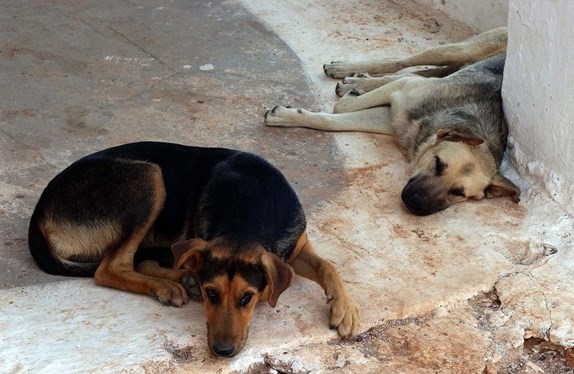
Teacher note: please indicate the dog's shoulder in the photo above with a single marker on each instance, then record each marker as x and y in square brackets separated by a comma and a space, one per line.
[248, 199]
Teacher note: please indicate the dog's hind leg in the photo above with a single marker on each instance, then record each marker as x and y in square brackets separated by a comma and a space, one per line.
[367, 83]
[477, 48]
[474, 49]
[375, 120]
[116, 269]
[345, 315]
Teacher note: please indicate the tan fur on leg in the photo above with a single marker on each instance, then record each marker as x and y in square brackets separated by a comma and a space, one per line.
[116, 269]
[375, 120]
[378, 97]
[345, 315]
[366, 83]
[477, 48]
[152, 269]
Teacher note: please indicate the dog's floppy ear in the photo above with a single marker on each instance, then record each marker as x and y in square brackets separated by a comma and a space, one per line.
[500, 186]
[278, 275]
[458, 136]
[189, 254]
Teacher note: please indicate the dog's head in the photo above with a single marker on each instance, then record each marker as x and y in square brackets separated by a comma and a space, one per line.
[452, 167]
[232, 283]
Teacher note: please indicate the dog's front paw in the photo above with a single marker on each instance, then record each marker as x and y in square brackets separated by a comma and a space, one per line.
[281, 116]
[338, 69]
[344, 88]
[170, 293]
[345, 316]
[348, 103]
[191, 286]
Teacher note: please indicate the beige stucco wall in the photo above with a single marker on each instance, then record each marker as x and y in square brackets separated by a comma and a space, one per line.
[538, 94]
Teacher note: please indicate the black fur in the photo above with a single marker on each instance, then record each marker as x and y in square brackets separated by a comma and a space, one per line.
[209, 192]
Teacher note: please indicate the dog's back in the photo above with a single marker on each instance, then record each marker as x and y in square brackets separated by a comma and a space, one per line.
[100, 200]
[467, 101]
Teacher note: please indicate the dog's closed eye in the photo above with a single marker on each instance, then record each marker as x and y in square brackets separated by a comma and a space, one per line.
[439, 166]
[456, 192]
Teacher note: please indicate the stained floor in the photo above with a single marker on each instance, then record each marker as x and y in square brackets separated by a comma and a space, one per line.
[484, 286]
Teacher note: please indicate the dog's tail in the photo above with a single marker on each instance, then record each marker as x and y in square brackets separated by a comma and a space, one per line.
[48, 261]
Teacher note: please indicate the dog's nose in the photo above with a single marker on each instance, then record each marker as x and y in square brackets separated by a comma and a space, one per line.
[222, 349]
[412, 200]
[415, 203]
[421, 205]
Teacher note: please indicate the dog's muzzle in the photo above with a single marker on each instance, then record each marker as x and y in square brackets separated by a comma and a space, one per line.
[418, 198]
[223, 350]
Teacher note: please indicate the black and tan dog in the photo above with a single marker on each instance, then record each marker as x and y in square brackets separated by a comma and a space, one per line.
[237, 225]
[449, 122]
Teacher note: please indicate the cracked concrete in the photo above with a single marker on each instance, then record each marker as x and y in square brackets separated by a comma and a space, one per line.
[481, 287]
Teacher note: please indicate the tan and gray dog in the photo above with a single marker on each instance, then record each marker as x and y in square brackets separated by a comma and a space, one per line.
[443, 105]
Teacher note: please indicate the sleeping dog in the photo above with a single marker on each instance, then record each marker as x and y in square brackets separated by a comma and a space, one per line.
[237, 225]
[448, 117]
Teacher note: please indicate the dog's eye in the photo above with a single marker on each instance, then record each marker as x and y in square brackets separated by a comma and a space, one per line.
[246, 299]
[212, 295]
[439, 166]
[456, 192]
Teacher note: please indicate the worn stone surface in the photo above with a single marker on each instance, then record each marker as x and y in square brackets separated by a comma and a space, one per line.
[481, 287]
[87, 75]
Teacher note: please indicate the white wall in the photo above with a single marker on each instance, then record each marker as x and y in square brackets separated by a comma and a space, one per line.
[538, 94]
[480, 14]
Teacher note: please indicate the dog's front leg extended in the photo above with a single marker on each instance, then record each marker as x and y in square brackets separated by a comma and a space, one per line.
[367, 83]
[354, 101]
[375, 120]
[345, 315]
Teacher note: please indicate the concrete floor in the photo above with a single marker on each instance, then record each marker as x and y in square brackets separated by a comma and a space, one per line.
[482, 286]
